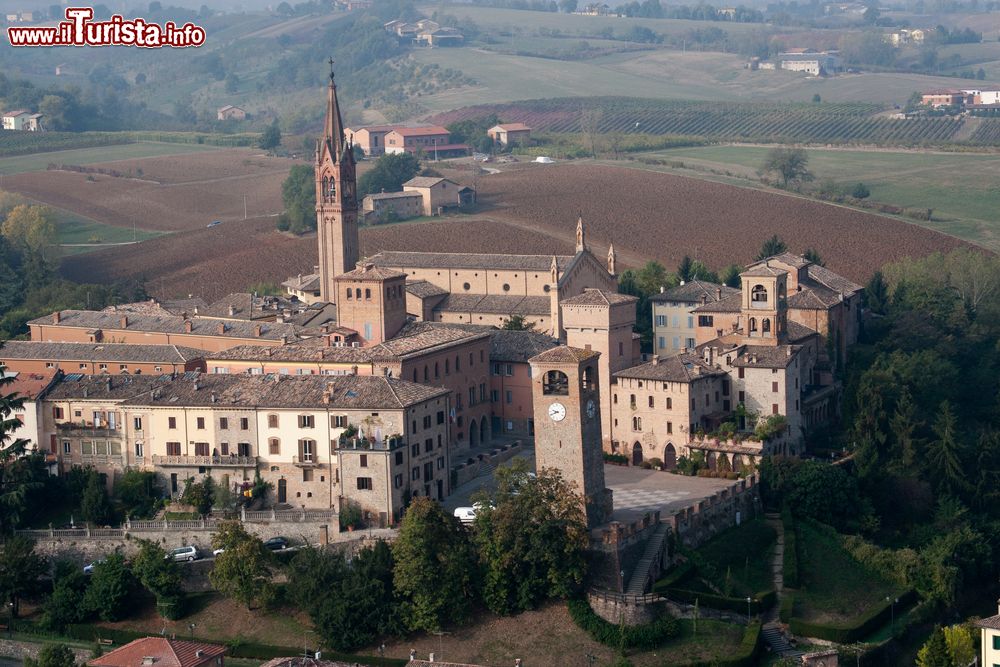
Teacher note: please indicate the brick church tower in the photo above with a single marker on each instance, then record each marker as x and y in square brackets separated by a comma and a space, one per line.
[336, 199]
[567, 400]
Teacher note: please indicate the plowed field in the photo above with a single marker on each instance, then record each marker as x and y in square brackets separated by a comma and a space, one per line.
[533, 210]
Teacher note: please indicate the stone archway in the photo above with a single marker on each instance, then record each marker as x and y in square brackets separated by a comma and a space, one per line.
[473, 434]
[669, 456]
[636, 454]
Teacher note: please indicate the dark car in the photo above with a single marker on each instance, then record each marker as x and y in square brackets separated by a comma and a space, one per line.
[276, 544]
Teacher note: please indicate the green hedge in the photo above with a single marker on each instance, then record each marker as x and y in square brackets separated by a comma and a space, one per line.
[745, 657]
[27, 143]
[854, 630]
[762, 601]
[648, 636]
[790, 566]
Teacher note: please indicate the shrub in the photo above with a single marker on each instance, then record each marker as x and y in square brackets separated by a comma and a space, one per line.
[853, 630]
[618, 459]
[760, 602]
[648, 636]
[860, 191]
[787, 607]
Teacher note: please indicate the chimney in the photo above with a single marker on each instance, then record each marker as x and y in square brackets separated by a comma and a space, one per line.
[588, 346]
[682, 282]
[285, 340]
[998, 606]
[329, 341]
[267, 352]
[718, 294]
[257, 331]
[232, 310]
[656, 359]
[56, 316]
[199, 653]
[222, 328]
[188, 327]
[86, 392]
[788, 351]
[196, 311]
[704, 299]
[197, 386]
[215, 399]
[124, 322]
[108, 384]
[148, 660]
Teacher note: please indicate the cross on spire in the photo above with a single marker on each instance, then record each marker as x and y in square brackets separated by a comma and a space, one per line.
[331, 68]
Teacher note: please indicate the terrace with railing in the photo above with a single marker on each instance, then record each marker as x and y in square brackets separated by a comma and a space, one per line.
[208, 461]
[387, 443]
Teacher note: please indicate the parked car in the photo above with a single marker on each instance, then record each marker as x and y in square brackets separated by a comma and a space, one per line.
[276, 544]
[468, 514]
[218, 551]
[89, 568]
[214, 223]
[188, 553]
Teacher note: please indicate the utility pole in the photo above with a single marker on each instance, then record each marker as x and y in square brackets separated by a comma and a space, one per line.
[244, 207]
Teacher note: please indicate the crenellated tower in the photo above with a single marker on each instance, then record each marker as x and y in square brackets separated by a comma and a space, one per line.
[336, 199]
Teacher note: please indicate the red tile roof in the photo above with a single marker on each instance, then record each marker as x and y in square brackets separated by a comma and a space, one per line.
[164, 653]
[420, 131]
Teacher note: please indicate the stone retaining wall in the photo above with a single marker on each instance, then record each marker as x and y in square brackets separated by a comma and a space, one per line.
[466, 472]
[18, 650]
[624, 609]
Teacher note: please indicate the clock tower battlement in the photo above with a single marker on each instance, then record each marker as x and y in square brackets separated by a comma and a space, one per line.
[567, 403]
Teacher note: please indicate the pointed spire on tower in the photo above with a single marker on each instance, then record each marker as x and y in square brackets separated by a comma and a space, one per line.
[554, 270]
[333, 128]
[581, 243]
[611, 259]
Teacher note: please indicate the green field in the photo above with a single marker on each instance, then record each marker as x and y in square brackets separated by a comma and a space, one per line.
[960, 187]
[833, 586]
[80, 156]
[74, 229]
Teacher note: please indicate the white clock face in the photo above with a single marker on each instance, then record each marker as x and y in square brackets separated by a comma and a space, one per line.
[557, 412]
[591, 409]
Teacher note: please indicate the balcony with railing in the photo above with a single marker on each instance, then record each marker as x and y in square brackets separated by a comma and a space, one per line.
[306, 461]
[362, 443]
[87, 430]
[232, 461]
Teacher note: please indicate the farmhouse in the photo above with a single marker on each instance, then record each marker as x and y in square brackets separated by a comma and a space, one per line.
[371, 139]
[439, 37]
[22, 120]
[981, 98]
[817, 63]
[510, 134]
[436, 194]
[431, 141]
[945, 97]
[386, 206]
[229, 112]
[305, 288]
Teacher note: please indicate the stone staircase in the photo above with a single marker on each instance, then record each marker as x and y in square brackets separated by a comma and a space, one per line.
[778, 643]
[637, 583]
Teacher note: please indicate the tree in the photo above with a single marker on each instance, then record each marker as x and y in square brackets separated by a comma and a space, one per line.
[730, 276]
[517, 323]
[243, 570]
[95, 507]
[590, 122]
[772, 246]
[298, 194]
[271, 137]
[434, 571]
[651, 277]
[53, 655]
[65, 605]
[20, 571]
[59, 112]
[861, 191]
[568, 6]
[157, 573]
[532, 540]
[813, 256]
[200, 495]
[111, 586]
[791, 165]
[934, 652]
[233, 84]
[877, 293]
[961, 646]
[351, 604]
[817, 99]
[388, 174]
[136, 489]
[944, 453]
[684, 269]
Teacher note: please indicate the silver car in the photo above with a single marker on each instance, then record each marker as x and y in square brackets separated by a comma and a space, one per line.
[188, 553]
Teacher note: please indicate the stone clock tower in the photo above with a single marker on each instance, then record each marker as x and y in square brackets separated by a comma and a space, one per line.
[567, 401]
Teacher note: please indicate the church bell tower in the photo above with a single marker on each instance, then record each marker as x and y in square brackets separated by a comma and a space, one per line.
[336, 199]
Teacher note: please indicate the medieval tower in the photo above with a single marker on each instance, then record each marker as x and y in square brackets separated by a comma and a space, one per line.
[336, 199]
[567, 404]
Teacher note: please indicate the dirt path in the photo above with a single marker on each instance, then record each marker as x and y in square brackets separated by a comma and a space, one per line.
[777, 566]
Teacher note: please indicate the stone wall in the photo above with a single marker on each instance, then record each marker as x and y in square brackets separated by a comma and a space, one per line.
[21, 650]
[482, 463]
[624, 609]
[695, 525]
[619, 549]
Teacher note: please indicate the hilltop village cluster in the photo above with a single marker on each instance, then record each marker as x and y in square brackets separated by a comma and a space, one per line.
[373, 379]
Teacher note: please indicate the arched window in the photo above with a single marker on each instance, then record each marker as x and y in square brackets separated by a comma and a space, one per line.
[555, 383]
[753, 324]
[368, 294]
[588, 378]
[426, 376]
[357, 293]
[670, 403]
[437, 370]
[758, 294]
[348, 293]
[447, 367]
[765, 325]
[273, 446]
[636, 423]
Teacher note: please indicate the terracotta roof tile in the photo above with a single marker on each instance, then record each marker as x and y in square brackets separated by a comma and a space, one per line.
[518, 346]
[449, 260]
[676, 368]
[173, 324]
[598, 297]
[564, 354]
[693, 290]
[97, 352]
[165, 653]
[424, 289]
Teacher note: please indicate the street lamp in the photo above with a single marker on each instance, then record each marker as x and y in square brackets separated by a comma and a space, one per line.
[748, 610]
[381, 654]
[892, 614]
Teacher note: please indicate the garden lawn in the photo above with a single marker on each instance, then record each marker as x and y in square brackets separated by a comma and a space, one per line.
[714, 641]
[834, 587]
[745, 553]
